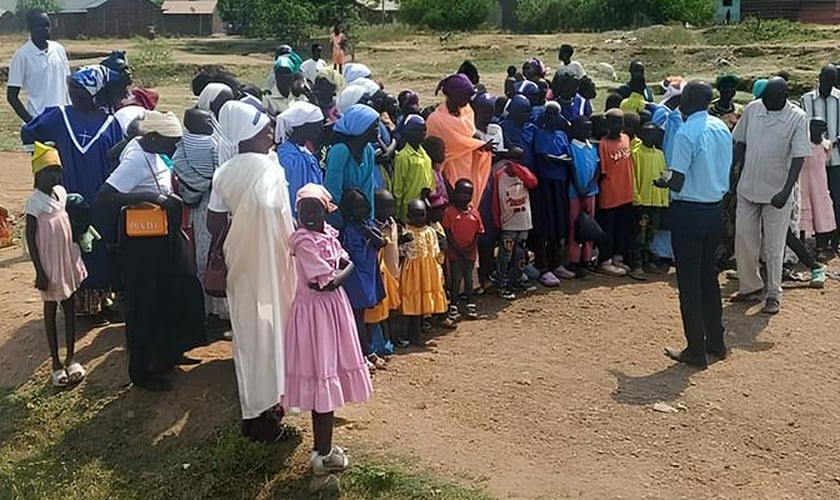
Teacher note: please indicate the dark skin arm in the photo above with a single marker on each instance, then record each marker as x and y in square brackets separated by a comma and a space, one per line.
[451, 243]
[108, 194]
[339, 279]
[738, 154]
[41, 280]
[675, 182]
[781, 198]
[377, 240]
[13, 96]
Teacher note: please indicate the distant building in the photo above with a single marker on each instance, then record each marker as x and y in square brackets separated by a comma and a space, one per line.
[379, 11]
[191, 18]
[727, 11]
[104, 18]
[808, 11]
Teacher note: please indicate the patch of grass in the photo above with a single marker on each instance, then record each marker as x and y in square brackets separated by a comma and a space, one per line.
[666, 36]
[753, 30]
[152, 62]
[380, 33]
[90, 443]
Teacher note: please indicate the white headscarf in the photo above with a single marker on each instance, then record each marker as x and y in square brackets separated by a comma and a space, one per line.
[354, 71]
[238, 121]
[164, 124]
[209, 94]
[299, 113]
[350, 96]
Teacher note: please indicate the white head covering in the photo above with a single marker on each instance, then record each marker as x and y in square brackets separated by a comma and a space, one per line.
[164, 124]
[238, 121]
[350, 96]
[299, 113]
[354, 71]
[209, 94]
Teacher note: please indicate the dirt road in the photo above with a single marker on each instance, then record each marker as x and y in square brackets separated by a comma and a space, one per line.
[552, 396]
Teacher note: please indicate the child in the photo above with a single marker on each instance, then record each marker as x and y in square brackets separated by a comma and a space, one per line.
[649, 200]
[389, 263]
[59, 270]
[583, 190]
[512, 215]
[436, 149]
[615, 201]
[817, 214]
[551, 201]
[421, 277]
[632, 124]
[515, 126]
[510, 82]
[463, 226]
[413, 175]
[324, 365]
[362, 241]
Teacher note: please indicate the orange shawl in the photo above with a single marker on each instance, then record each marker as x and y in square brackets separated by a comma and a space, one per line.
[464, 159]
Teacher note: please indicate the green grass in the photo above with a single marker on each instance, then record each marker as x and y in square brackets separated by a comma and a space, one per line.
[752, 30]
[90, 443]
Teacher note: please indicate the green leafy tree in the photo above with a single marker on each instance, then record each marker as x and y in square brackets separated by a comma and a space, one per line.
[553, 15]
[445, 14]
[23, 6]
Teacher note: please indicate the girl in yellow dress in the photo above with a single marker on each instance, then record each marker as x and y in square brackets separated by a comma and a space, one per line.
[421, 278]
[388, 259]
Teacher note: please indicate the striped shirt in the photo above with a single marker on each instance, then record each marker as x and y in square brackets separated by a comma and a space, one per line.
[829, 110]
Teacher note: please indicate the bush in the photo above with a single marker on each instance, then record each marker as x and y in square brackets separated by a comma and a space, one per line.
[753, 30]
[445, 14]
[595, 15]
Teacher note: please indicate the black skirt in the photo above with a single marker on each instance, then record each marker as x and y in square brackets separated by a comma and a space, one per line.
[550, 210]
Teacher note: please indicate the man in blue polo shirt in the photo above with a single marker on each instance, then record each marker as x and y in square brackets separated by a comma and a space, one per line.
[698, 177]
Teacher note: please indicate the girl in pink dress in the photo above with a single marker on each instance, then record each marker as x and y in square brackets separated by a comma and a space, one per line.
[59, 270]
[324, 364]
[817, 210]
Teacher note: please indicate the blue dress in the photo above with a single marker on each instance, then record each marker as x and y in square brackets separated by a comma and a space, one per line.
[364, 286]
[301, 168]
[576, 108]
[550, 200]
[83, 142]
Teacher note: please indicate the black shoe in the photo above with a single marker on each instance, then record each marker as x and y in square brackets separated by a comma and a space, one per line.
[720, 354]
[771, 306]
[185, 361]
[684, 357]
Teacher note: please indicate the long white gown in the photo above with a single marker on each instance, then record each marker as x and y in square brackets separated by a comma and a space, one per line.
[261, 276]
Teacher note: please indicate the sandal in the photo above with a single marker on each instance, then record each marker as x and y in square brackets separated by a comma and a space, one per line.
[59, 378]
[75, 373]
[377, 362]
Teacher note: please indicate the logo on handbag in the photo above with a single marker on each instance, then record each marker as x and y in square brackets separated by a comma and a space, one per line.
[145, 220]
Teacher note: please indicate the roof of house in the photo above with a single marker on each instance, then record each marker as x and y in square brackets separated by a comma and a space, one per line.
[390, 5]
[79, 6]
[200, 7]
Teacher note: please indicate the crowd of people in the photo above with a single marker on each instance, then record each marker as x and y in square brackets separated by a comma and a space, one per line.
[329, 222]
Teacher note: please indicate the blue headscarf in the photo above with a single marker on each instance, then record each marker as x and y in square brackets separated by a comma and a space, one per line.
[519, 104]
[356, 120]
[95, 77]
[526, 87]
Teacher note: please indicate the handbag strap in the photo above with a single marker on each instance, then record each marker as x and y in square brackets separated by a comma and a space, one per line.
[152, 171]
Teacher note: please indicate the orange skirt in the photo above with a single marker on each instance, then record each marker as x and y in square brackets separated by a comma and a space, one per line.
[381, 311]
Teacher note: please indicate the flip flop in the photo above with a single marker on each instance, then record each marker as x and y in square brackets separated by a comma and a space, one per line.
[75, 373]
[59, 378]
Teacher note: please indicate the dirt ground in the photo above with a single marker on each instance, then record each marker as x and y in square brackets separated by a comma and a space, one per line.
[551, 396]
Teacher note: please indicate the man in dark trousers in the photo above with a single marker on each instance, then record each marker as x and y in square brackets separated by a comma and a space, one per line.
[698, 178]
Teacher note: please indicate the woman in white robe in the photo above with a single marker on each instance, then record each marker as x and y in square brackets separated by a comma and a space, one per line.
[250, 194]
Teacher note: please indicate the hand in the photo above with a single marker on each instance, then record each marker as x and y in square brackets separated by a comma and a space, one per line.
[425, 193]
[41, 282]
[405, 238]
[488, 146]
[661, 183]
[326, 288]
[780, 199]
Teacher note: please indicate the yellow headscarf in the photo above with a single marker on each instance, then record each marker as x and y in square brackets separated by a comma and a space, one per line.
[44, 156]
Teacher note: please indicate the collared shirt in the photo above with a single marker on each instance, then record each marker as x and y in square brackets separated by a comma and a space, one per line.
[702, 152]
[773, 139]
[412, 174]
[42, 74]
[828, 109]
[310, 69]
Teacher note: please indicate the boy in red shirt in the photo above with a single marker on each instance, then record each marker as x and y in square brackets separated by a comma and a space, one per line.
[463, 226]
[615, 202]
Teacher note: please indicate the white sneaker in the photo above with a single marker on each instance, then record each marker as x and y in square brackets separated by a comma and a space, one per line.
[336, 461]
[608, 268]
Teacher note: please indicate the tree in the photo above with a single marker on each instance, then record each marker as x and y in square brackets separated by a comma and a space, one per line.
[445, 14]
[23, 6]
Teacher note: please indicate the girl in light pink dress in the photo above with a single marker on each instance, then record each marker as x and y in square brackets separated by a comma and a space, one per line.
[59, 270]
[325, 368]
[817, 209]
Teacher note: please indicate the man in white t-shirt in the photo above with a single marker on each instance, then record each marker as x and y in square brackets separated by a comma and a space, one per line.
[39, 67]
[313, 65]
